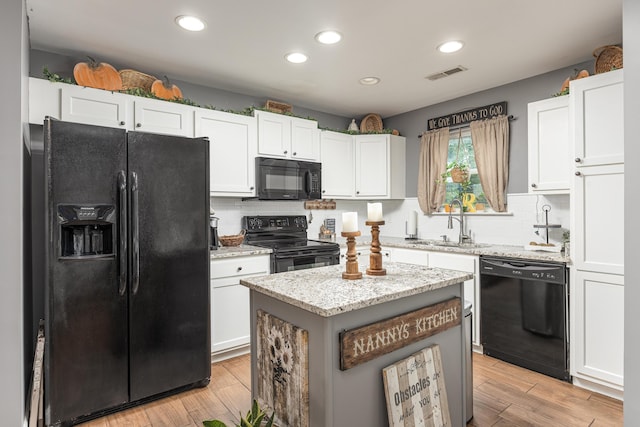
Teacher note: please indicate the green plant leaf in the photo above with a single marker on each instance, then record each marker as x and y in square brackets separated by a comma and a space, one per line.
[270, 422]
[214, 423]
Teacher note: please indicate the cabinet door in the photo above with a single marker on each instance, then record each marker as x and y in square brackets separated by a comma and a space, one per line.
[305, 140]
[163, 117]
[372, 166]
[598, 348]
[411, 256]
[549, 155]
[337, 154]
[597, 236]
[274, 134]
[232, 151]
[468, 264]
[44, 100]
[597, 111]
[93, 107]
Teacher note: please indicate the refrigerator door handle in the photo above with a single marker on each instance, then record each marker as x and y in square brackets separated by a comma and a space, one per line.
[135, 238]
[123, 256]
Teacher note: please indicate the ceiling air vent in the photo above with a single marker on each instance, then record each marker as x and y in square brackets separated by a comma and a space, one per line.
[446, 73]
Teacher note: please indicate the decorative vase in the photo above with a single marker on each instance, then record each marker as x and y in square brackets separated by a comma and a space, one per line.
[353, 126]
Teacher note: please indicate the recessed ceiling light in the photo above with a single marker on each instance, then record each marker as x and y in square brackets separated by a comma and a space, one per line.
[296, 57]
[328, 37]
[190, 23]
[369, 81]
[451, 46]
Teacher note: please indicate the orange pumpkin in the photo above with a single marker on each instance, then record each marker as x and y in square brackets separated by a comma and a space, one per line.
[99, 75]
[165, 89]
[578, 75]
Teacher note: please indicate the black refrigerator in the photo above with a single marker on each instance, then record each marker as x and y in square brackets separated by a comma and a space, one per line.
[127, 268]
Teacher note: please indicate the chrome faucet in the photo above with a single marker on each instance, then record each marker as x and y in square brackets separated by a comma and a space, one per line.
[462, 238]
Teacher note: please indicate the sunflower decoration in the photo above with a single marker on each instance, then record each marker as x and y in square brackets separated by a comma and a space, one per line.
[280, 354]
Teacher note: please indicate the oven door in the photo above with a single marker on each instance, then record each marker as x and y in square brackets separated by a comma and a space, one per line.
[292, 262]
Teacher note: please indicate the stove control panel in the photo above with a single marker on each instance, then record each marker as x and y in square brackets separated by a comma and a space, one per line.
[270, 223]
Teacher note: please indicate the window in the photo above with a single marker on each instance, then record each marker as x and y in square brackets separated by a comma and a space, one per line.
[469, 192]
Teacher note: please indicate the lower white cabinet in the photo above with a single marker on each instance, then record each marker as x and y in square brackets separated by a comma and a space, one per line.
[411, 256]
[230, 314]
[468, 264]
[598, 330]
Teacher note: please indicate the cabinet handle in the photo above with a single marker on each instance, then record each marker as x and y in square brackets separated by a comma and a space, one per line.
[578, 160]
[251, 188]
[138, 125]
[121, 123]
[295, 153]
[285, 151]
[534, 185]
[359, 253]
[324, 191]
[357, 192]
[239, 268]
[386, 254]
[578, 173]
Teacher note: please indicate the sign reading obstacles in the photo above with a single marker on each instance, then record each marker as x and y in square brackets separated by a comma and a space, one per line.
[368, 342]
[415, 391]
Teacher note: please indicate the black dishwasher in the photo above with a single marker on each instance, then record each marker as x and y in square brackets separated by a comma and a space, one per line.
[524, 312]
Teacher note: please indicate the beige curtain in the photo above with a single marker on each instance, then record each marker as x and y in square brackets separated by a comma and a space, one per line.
[433, 162]
[490, 140]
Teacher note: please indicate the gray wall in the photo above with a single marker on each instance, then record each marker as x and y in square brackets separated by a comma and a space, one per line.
[13, 104]
[517, 95]
[201, 95]
[631, 38]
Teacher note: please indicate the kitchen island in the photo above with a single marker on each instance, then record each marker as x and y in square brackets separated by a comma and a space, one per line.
[300, 322]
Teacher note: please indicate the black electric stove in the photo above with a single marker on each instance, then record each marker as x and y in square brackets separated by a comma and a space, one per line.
[287, 237]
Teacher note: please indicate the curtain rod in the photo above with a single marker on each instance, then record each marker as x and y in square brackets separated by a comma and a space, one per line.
[510, 117]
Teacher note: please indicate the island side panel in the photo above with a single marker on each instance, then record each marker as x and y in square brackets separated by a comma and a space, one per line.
[356, 396]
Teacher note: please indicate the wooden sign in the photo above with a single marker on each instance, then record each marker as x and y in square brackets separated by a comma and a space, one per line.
[376, 339]
[283, 369]
[415, 391]
[468, 116]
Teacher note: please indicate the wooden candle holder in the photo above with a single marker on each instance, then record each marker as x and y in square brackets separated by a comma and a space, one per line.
[352, 272]
[375, 257]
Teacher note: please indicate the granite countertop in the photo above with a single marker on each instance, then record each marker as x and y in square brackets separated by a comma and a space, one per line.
[487, 249]
[242, 250]
[324, 292]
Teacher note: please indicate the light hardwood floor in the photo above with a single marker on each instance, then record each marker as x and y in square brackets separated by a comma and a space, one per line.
[504, 395]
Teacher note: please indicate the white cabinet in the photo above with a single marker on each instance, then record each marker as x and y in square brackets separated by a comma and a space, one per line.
[380, 166]
[287, 137]
[411, 256]
[596, 105]
[549, 150]
[599, 331]
[91, 106]
[337, 151]
[597, 233]
[232, 151]
[230, 314]
[364, 252]
[363, 166]
[469, 264]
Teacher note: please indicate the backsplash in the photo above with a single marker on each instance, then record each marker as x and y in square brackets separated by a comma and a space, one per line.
[514, 228]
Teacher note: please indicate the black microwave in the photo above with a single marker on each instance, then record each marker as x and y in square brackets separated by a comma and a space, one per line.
[282, 179]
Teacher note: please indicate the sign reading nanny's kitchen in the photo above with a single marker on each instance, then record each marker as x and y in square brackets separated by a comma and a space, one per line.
[468, 116]
[376, 339]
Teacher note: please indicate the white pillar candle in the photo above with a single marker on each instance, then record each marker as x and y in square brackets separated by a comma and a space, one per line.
[350, 221]
[412, 226]
[374, 211]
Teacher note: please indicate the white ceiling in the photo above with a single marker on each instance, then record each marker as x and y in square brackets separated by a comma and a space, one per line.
[243, 46]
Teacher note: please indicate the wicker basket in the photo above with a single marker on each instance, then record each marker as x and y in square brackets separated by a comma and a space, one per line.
[132, 79]
[232, 239]
[459, 175]
[608, 58]
[371, 123]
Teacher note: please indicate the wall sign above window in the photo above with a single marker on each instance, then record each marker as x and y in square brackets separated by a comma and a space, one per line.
[468, 116]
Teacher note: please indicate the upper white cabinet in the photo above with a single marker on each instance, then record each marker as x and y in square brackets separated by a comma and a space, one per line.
[232, 151]
[337, 151]
[81, 104]
[363, 166]
[380, 166]
[597, 113]
[287, 137]
[549, 150]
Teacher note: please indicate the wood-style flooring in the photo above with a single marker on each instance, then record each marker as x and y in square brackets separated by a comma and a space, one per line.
[504, 395]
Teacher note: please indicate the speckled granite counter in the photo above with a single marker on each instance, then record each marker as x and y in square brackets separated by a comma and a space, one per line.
[324, 292]
[242, 250]
[488, 249]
